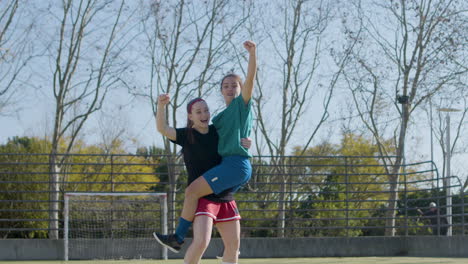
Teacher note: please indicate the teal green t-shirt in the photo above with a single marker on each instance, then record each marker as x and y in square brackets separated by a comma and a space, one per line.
[232, 124]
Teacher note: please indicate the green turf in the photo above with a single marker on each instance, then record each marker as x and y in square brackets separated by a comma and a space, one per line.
[362, 260]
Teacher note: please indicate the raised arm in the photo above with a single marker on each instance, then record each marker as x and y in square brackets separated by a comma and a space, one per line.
[247, 89]
[161, 122]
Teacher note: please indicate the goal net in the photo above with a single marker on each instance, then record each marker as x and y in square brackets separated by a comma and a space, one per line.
[114, 226]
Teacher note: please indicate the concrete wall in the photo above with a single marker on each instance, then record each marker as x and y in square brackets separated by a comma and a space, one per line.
[427, 246]
[25, 249]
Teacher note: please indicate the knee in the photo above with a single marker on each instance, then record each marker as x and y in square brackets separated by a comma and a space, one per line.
[200, 244]
[232, 245]
[191, 192]
[187, 192]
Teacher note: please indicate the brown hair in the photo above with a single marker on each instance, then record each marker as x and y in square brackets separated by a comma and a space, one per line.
[190, 136]
[233, 75]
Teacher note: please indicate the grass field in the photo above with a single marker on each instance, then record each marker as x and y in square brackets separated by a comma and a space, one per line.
[362, 260]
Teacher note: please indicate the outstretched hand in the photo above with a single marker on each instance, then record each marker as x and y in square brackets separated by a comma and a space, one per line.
[164, 99]
[250, 46]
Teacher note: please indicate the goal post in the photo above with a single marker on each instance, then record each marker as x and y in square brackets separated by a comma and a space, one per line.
[114, 225]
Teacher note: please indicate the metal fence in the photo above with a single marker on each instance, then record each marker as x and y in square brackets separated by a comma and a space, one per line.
[293, 196]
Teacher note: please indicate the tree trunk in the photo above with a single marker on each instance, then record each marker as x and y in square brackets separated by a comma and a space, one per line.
[282, 209]
[281, 222]
[394, 176]
[390, 214]
[54, 196]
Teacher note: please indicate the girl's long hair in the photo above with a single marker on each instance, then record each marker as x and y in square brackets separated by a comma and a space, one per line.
[189, 129]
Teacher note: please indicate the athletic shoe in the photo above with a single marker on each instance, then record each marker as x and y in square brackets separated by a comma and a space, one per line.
[220, 255]
[169, 241]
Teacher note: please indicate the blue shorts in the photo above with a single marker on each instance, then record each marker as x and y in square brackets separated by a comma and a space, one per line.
[233, 172]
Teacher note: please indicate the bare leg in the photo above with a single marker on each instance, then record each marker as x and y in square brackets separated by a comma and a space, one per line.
[197, 189]
[193, 192]
[202, 227]
[230, 233]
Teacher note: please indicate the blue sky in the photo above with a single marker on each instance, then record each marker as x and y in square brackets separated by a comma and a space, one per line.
[32, 112]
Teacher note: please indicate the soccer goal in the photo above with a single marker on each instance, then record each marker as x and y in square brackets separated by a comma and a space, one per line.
[114, 226]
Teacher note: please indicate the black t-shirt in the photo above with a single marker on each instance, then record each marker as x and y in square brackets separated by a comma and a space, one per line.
[200, 156]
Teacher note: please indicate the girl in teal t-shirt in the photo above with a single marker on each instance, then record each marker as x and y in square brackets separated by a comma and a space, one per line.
[232, 124]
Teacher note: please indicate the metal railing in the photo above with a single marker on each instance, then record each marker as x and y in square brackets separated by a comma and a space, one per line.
[291, 196]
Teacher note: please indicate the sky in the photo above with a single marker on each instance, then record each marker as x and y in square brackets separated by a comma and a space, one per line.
[32, 115]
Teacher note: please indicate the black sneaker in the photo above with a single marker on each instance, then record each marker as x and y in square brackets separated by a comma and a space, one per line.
[168, 241]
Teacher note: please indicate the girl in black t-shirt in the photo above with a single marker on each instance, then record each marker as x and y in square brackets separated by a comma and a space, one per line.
[199, 142]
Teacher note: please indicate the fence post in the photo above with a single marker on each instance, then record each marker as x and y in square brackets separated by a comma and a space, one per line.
[112, 198]
[347, 196]
[112, 173]
[438, 205]
[463, 210]
[164, 214]
[291, 216]
[406, 199]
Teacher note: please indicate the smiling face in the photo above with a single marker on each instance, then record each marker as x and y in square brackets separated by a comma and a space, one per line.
[230, 88]
[199, 115]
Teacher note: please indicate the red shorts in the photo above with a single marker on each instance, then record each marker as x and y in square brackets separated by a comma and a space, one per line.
[220, 212]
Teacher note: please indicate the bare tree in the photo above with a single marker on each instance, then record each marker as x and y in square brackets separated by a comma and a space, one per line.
[85, 57]
[186, 46]
[406, 55]
[298, 47]
[113, 130]
[456, 99]
[15, 49]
